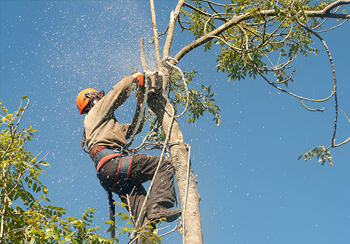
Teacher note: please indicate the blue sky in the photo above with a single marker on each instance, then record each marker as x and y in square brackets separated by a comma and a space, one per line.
[253, 189]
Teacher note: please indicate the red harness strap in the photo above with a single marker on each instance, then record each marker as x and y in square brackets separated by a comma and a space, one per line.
[129, 168]
[118, 170]
[104, 160]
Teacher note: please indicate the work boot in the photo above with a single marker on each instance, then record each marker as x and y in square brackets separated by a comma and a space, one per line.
[157, 212]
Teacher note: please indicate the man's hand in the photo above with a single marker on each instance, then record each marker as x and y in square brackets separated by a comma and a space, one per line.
[134, 77]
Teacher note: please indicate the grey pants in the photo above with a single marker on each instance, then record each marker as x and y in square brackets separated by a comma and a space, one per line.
[132, 192]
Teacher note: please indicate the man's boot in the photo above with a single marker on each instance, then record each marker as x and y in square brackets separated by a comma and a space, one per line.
[157, 212]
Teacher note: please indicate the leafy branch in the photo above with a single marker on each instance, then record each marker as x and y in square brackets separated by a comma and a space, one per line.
[26, 218]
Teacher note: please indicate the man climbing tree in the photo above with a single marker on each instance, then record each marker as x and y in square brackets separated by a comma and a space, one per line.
[122, 171]
[246, 34]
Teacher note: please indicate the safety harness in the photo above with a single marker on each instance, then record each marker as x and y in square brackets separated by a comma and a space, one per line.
[123, 167]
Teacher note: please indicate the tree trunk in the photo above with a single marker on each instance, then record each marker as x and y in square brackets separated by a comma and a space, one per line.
[186, 182]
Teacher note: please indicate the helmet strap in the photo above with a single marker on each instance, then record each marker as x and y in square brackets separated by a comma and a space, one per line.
[94, 97]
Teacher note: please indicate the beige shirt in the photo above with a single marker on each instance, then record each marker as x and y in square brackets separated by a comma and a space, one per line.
[101, 126]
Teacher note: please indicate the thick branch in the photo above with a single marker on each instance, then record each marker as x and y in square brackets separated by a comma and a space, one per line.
[169, 38]
[143, 56]
[234, 21]
[186, 181]
[155, 32]
[324, 13]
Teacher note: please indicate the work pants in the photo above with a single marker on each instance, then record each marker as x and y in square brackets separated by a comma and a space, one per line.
[132, 192]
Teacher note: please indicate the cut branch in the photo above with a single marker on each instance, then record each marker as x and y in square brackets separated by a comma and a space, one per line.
[169, 38]
[155, 33]
[143, 56]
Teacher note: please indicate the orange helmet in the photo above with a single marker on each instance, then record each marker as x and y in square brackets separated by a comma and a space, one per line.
[83, 99]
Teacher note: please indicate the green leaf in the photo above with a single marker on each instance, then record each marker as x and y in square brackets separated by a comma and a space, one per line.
[124, 218]
[109, 222]
[43, 163]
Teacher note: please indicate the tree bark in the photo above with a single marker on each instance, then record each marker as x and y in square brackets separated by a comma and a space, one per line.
[159, 103]
[186, 182]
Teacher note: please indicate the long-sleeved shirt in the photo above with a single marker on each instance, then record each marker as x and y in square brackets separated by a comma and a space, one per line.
[101, 126]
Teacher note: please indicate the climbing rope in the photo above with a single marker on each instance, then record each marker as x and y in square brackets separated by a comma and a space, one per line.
[166, 60]
[186, 194]
[160, 160]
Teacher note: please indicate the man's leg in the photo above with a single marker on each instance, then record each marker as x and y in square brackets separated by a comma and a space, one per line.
[144, 167]
[163, 192]
[132, 195]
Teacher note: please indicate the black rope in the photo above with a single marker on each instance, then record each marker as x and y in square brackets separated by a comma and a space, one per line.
[111, 212]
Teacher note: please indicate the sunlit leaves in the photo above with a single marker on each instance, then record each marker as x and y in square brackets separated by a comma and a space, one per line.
[145, 232]
[250, 47]
[27, 215]
[201, 101]
[257, 38]
[321, 153]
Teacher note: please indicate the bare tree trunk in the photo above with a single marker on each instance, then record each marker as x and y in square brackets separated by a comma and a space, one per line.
[186, 182]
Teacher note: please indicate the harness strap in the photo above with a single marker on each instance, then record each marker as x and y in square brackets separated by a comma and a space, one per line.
[123, 169]
[105, 159]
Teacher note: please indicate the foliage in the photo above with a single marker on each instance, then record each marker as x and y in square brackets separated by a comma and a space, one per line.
[262, 38]
[245, 46]
[200, 101]
[27, 215]
[145, 233]
[322, 154]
